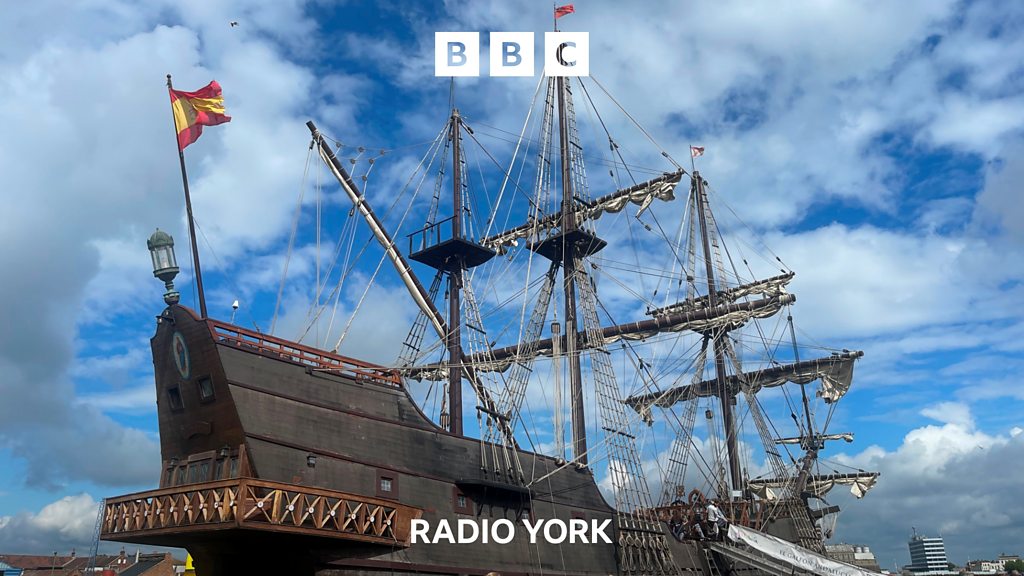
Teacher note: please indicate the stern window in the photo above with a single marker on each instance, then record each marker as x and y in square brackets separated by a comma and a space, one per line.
[205, 389]
[174, 398]
[198, 471]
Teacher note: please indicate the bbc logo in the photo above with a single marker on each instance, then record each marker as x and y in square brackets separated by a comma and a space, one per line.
[511, 54]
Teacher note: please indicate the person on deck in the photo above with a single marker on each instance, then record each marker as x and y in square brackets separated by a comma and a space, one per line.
[718, 523]
[696, 530]
[697, 524]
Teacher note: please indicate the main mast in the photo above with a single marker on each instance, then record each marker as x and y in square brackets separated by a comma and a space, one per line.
[568, 225]
[718, 335]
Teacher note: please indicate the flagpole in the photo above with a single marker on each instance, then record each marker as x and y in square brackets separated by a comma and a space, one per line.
[693, 166]
[191, 221]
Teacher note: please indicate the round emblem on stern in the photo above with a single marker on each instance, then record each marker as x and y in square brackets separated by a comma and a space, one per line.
[180, 353]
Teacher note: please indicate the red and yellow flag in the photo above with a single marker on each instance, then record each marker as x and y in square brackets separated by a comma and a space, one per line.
[193, 110]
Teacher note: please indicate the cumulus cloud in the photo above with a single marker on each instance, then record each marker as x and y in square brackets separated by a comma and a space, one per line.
[948, 479]
[61, 525]
[1000, 200]
[93, 170]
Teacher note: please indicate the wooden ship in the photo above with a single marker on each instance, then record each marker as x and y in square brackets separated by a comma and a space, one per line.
[282, 456]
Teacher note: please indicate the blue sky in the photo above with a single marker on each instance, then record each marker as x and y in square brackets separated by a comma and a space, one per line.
[877, 148]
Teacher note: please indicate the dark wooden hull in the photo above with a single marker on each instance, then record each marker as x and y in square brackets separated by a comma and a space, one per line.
[249, 411]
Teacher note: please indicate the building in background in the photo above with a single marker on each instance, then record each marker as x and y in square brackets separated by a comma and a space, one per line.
[1004, 558]
[138, 564]
[928, 556]
[982, 567]
[8, 570]
[854, 554]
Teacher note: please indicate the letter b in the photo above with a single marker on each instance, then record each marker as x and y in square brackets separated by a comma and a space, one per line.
[511, 54]
[456, 53]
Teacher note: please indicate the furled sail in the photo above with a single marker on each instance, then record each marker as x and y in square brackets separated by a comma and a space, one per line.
[818, 484]
[728, 316]
[847, 436]
[643, 194]
[774, 286]
[835, 373]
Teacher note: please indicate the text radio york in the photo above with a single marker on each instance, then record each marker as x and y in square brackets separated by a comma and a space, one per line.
[503, 531]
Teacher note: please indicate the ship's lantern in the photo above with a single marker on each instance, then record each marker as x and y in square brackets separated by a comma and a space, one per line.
[311, 460]
[165, 265]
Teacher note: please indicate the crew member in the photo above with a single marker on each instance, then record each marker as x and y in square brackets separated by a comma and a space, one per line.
[717, 521]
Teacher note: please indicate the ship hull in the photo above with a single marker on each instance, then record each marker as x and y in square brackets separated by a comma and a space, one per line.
[326, 461]
[239, 407]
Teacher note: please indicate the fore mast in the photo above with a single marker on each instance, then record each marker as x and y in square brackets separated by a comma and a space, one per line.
[452, 257]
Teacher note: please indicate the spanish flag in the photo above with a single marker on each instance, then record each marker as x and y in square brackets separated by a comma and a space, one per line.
[193, 110]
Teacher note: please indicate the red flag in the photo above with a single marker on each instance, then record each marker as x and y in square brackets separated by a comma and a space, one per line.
[696, 151]
[564, 10]
[193, 110]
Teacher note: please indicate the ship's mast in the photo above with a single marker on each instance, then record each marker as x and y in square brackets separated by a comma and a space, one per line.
[452, 256]
[568, 225]
[718, 336]
[810, 442]
[455, 284]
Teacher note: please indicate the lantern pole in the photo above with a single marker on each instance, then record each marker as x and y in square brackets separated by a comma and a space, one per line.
[191, 222]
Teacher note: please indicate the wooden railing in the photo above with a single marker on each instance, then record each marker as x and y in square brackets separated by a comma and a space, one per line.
[258, 504]
[301, 354]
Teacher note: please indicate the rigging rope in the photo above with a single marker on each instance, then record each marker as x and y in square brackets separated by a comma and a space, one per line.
[291, 238]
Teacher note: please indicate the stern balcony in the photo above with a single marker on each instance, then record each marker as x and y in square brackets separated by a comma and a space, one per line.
[180, 515]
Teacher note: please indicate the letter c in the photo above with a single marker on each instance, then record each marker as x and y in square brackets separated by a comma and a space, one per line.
[558, 54]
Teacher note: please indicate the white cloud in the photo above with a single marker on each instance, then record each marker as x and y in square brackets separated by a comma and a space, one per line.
[64, 524]
[950, 480]
[950, 413]
[1000, 201]
[137, 399]
[93, 170]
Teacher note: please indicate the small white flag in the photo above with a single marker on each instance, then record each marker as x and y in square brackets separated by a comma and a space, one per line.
[696, 151]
